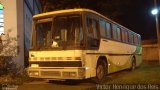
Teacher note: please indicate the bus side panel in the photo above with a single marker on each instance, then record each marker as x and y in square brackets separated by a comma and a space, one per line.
[91, 59]
[119, 54]
[118, 63]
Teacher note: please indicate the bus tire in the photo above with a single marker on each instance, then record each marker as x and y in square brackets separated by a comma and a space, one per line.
[101, 71]
[133, 65]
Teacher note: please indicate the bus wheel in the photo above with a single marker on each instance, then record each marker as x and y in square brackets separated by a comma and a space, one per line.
[133, 66]
[100, 72]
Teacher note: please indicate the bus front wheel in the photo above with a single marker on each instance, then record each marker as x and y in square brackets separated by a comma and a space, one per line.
[100, 72]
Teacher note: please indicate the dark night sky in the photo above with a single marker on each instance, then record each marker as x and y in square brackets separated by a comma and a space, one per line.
[136, 15]
[139, 18]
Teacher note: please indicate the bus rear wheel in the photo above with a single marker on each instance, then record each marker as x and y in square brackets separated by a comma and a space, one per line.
[100, 72]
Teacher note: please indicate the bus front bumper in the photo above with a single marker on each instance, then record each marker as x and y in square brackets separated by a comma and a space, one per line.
[57, 73]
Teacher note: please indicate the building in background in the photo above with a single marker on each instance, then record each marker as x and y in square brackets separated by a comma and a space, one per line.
[1, 19]
[31, 7]
[16, 18]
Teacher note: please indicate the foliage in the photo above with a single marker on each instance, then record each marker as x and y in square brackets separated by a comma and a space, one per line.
[8, 66]
[8, 45]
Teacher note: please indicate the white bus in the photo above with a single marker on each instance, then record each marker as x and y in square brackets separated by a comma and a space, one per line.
[78, 44]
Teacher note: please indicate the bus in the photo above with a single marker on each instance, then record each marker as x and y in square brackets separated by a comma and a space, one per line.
[76, 44]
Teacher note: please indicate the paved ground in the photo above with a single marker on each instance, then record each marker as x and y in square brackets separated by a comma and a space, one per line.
[148, 74]
[58, 85]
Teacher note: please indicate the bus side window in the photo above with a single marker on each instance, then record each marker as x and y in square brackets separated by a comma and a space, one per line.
[108, 30]
[114, 32]
[103, 32]
[119, 34]
[135, 39]
[131, 38]
[139, 40]
[123, 35]
[92, 32]
[95, 28]
[126, 37]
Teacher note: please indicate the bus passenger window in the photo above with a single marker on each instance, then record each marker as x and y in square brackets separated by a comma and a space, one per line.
[139, 40]
[130, 38]
[95, 29]
[114, 32]
[119, 34]
[126, 37]
[123, 35]
[135, 39]
[92, 33]
[102, 28]
[108, 30]
[89, 26]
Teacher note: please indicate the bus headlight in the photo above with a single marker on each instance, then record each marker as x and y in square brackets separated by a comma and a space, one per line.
[34, 65]
[33, 73]
[69, 74]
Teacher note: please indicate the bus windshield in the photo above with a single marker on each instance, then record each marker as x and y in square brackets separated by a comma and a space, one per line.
[61, 32]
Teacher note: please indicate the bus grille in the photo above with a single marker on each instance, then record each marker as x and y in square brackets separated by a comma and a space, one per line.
[50, 73]
[58, 63]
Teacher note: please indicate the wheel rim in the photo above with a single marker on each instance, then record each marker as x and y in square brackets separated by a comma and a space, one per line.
[100, 72]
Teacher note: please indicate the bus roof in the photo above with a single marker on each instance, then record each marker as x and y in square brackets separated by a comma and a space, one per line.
[76, 10]
[62, 11]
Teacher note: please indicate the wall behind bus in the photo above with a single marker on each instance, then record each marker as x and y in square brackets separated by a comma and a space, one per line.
[150, 52]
